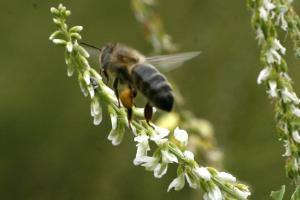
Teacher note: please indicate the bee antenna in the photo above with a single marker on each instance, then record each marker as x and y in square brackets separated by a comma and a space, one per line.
[89, 45]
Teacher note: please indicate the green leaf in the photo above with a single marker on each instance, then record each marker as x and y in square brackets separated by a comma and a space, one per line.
[296, 194]
[278, 195]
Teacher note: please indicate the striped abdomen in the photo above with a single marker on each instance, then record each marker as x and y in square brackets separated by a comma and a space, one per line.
[153, 85]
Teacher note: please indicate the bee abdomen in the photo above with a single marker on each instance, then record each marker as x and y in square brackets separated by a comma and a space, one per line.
[153, 85]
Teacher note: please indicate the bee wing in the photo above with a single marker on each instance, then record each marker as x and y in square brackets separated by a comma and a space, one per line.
[92, 50]
[167, 63]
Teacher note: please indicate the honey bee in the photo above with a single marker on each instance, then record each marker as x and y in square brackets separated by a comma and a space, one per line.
[137, 72]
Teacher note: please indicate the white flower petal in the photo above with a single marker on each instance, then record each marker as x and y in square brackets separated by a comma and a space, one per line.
[181, 136]
[113, 119]
[287, 147]
[296, 136]
[268, 5]
[264, 74]
[142, 148]
[241, 193]
[59, 41]
[162, 132]
[91, 90]
[226, 177]
[177, 183]
[69, 47]
[260, 35]
[160, 170]
[87, 77]
[213, 194]
[273, 89]
[150, 163]
[70, 70]
[115, 137]
[189, 155]
[141, 138]
[168, 157]
[286, 76]
[95, 107]
[98, 119]
[203, 173]
[278, 46]
[288, 96]
[295, 110]
[263, 13]
[193, 183]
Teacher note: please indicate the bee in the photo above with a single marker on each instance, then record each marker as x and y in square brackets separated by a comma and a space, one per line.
[138, 73]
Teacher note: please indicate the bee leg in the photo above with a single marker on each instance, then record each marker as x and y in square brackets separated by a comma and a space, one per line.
[134, 93]
[106, 75]
[115, 86]
[148, 112]
[129, 117]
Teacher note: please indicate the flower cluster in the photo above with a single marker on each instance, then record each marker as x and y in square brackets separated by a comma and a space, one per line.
[201, 140]
[269, 16]
[152, 24]
[215, 185]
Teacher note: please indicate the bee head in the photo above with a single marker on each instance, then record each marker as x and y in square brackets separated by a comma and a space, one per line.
[105, 53]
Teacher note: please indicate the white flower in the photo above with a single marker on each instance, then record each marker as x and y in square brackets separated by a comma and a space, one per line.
[118, 129]
[193, 183]
[82, 86]
[69, 47]
[263, 13]
[260, 35]
[281, 19]
[91, 90]
[181, 136]
[288, 96]
[268, 5]
[278, 46]
[295, 110]
[177, 183]
[149, 163]
[59, 41]
[189, 155]
[213, 194]
[265, 10]
[113, 119]
[162, 132]
[96, 111]
[242, 193]
[202, 173]
[272, 54]
[159, 137]
[115, 136]
[70, 69]
[273, 89]
[168, 157]
[226, 177]
[264, 74]
[142, 148]
[87, 77]
[287, 147]
[286, 76]
[160, 170]
[296, 136]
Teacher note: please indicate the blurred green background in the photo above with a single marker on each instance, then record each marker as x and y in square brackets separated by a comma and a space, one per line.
[49, 148]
